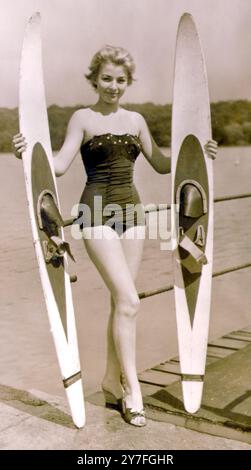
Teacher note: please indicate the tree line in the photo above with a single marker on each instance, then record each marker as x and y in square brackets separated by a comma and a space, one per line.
[231, 123]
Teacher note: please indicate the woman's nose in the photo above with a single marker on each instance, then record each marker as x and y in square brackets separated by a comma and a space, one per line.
[113, 85]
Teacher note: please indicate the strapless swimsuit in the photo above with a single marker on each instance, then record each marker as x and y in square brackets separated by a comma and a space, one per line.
[110, 197]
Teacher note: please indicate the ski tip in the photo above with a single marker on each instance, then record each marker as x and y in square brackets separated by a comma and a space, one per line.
[35, 18]
[186, 16]
[77, 411]
[79, 421]
[187, 23]
[192, 395]
[76, 402]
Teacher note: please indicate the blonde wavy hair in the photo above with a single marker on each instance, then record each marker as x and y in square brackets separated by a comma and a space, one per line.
[115, 55]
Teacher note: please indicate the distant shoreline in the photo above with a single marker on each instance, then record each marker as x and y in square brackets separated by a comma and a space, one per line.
[231, 122]
[166, 148]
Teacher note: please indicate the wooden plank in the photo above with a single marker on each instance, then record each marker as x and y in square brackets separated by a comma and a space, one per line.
[168, 367]
[218, 352]
[244, 333]
[211, 360]
[243, 338]
[247, 330]
[154, 377]
[175, 359]
[227, 343]
[244, 407]
[148, 389]
[225, 409]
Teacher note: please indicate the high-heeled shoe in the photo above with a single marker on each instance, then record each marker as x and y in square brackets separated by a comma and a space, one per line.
[111, 401]
[136, 418]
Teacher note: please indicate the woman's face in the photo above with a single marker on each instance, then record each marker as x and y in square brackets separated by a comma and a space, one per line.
[111, 82]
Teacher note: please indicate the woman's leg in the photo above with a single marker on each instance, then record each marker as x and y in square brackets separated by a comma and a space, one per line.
[112, 376]
[133, 250]
[108, 254]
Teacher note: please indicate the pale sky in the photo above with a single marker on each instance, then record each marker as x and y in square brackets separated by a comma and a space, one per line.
[73, 30]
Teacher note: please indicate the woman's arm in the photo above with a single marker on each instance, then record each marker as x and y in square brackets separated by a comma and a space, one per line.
[153, 154]
[150, 149]
[70, 148]
[71, 145]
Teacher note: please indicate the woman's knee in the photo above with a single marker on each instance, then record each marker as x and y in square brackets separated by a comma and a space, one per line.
[128, 306]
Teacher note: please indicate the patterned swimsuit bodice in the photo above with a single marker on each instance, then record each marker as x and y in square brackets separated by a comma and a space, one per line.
[109, 163]
[110, 158]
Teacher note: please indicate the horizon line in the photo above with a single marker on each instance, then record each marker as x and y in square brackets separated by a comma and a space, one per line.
[246, 100]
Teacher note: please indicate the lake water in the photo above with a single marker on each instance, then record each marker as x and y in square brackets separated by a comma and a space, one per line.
[27, 358]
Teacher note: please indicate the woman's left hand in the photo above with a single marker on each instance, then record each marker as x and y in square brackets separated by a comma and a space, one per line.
[211, 149]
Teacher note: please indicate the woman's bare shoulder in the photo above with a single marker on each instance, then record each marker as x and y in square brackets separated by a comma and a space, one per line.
[80, 117]
[131, 113]
[136, 118]
[81, 113]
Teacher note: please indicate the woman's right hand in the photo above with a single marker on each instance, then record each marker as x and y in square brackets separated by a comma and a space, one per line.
[19, 145]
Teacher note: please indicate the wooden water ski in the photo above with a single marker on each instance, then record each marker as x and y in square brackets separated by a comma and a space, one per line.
[192, 209]
[46, 221]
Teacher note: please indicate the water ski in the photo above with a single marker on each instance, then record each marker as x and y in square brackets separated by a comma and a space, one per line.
[192, 209]
[46, 221]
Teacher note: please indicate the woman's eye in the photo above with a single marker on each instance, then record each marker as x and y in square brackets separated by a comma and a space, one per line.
[110, 79]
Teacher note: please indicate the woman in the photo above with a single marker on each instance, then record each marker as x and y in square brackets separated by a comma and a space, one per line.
[110, 138]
